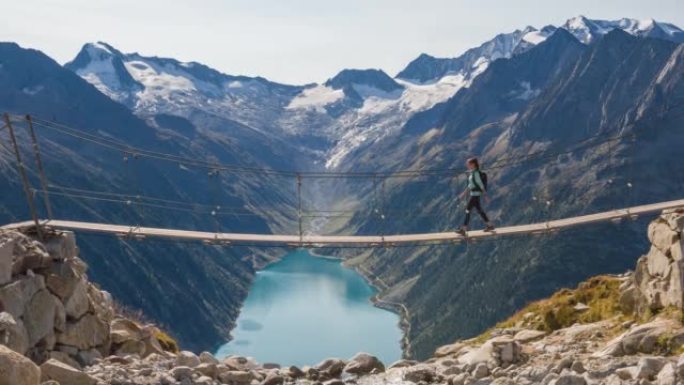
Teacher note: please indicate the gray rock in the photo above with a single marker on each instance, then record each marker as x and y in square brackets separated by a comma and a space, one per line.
[481, 370]
[419, 373]
[566, 378]
[403, 363]
[86, 333]
[65, 358]
[181, 372]
[61, 278]
[661, 235]
[649, 367]
[14, 296]
[39, 317]
[273, 379]
[667, 375]
[64, 374]
[13, 334]
[236, 377]
[62, 246]
[15, 369]
[364, 363]
[208, 358]
[77, 304]
[295, 372]
[186, 358]
[6, 259]
[578, 367]
[207, 369]
[332, 366]
[203, 380]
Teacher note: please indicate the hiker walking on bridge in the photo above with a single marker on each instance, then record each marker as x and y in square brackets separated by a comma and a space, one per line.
[477, 188]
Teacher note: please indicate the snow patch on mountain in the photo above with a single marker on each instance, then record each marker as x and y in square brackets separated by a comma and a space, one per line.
[316, 98]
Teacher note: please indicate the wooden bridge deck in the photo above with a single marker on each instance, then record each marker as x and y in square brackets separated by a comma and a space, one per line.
[346, 240]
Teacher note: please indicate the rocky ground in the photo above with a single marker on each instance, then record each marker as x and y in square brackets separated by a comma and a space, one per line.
[57, 328]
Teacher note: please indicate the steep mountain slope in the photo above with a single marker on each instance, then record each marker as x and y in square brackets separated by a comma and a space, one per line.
[167, 280]
[575, 97]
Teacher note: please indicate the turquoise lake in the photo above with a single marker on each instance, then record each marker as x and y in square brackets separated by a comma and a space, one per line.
[304, 309]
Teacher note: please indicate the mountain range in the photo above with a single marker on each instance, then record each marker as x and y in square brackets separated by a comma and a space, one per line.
[556, 90]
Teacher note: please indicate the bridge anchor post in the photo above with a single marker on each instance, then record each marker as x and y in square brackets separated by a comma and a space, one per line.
[24, 178]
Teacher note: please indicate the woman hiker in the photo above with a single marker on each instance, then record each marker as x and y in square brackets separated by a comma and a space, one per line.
[477, 187]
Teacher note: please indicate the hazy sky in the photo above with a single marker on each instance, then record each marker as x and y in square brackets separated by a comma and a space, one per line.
[296, 41]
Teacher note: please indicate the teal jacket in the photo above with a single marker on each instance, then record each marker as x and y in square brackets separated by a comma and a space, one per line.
[475, 184]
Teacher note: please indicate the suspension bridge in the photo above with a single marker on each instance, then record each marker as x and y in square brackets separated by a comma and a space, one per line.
[300, 239]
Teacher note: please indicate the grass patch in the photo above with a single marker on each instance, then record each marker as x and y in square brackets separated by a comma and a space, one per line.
[601, 294]
[166, 341]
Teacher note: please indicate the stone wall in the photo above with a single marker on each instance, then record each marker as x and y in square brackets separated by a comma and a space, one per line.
[49, 309]
[658, 281]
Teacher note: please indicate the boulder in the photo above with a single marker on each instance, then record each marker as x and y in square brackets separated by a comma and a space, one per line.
[181, 373]
[420, 373]
[102, 303]
[481, 371]
[661, 235]
[207, 369]
[658, 263]
[639, 339]
[568, 378]
[39, 316]
[332, 366]
[667, 375]
[527, 335]
[13, 333]
[6, 259]
[15, 369]
[208, 358]
[35, 257]
[77, 304]
[14, 296]
[62, 246]
[64, 358]
[364, 363]
[203, 380]
[86, 333]
[506, 351]
[130, 347]
[273, 379]
[295, 372]
[186, 358]
[236, 377]
[61, 278]
[123, 330]
[649, 367]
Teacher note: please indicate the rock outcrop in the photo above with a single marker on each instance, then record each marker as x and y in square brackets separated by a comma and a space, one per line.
[51, 314]
[659, 277]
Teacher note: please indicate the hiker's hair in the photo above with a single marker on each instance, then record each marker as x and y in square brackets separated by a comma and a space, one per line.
[474, 161]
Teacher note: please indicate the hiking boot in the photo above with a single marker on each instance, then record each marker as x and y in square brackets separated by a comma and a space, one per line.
[489, 227]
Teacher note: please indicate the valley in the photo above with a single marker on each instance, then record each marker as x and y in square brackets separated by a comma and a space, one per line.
[567, 120]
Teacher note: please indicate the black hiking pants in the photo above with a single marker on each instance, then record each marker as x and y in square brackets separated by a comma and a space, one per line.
[474, 203]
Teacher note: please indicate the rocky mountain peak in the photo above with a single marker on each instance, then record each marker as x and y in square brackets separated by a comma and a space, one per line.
[354, 78]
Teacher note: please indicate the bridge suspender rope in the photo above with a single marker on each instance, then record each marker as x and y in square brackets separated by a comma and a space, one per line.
[299, 207]
[24, 178]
